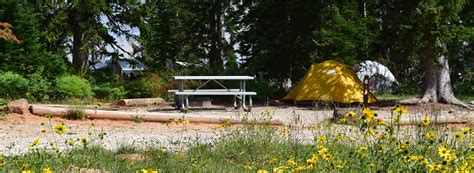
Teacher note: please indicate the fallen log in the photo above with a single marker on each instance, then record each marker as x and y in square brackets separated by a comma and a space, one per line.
[141, 102]
[147, 116]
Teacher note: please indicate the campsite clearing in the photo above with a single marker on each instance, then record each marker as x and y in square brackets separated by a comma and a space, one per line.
[18, 131]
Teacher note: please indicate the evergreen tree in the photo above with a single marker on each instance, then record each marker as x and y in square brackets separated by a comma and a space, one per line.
[29, 55]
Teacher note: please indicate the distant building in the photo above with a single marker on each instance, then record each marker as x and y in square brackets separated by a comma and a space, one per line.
[122, 67]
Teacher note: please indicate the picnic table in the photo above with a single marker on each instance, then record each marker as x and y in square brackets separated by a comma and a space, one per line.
[239, 93]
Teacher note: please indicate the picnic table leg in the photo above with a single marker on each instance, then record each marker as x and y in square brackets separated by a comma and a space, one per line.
[249, 108]
[243, 96]
[186, 101]
[235, 103]
[181, 97]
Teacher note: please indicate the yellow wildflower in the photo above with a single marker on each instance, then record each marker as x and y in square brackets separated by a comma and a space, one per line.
[280, 169]
[3, 163]
[401, 110]
[149, 171]
[312, 160]
[47, 170]
[285, 131]
[292, 162]
[351, 114]
[321, 139]
[322, 151]
[70, 142]
[180, 121]
[435, 167]
[59, 129]
[466, 130]
[458, 135]
[362, 149]
[339, 165]
[425, 121]
[450, 157]
[381, 136]
[35, 142]
[403, 146]
[443, 151]
[26, 171]
[430, 134]
[248, 167]
[370, 132]
[299, 169]
[338, 136]
[367, 115]
[327, 157]
[85, 141]
[341, 121]
[262, 171]
[381, 122]
[273, 160]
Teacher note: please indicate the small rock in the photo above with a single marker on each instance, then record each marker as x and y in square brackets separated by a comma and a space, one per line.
[132, 157]
[19, 106]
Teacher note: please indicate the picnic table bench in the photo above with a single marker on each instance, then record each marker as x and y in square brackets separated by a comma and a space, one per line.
[241, 93]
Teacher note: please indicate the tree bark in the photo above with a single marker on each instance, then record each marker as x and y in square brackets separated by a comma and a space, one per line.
[437, 80]
[216, 52]
[80, 55]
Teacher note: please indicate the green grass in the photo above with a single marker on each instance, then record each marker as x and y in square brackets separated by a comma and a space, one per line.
[390, 96]
[252, 147]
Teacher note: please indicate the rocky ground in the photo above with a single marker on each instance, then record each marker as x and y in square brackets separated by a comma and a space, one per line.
[18, 131]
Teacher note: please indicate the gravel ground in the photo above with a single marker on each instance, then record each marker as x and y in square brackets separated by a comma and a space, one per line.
[18, 131]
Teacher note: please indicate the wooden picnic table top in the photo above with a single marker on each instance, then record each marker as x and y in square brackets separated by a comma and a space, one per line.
[213, 77]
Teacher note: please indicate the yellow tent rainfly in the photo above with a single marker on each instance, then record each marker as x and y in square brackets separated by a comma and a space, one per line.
[330, 81]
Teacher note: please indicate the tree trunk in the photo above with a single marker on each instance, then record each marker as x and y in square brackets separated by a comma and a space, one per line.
[80, 59]
[216, 62]
[437, 80]
[79, 52]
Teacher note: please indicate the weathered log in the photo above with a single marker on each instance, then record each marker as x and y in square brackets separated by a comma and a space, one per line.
[146, 116]
[19, 106]
[141, 102]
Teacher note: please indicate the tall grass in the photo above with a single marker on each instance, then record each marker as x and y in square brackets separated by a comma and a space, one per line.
[358, 145]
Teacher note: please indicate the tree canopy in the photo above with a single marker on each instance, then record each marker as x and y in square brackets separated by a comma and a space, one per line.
[277, 41]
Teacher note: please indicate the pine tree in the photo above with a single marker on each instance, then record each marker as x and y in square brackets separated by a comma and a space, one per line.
[29, 55]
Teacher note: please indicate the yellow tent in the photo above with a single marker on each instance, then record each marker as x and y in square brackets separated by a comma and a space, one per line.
[330, 81]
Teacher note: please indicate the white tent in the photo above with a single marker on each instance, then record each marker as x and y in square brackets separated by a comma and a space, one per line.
[380, 77]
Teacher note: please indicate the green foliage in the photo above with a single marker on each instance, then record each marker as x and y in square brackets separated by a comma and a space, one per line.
[109, 91]
[150, 85]
[76, 114]
[137, 119]
[71, 86]
[264, 91]
[39, 87]
[30, 55]
[13, 85]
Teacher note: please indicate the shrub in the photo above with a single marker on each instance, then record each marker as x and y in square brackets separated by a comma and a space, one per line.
[39, 87]
[151, 85]
[71, 86]
[13, 85]
[109, 92]
[76, 114]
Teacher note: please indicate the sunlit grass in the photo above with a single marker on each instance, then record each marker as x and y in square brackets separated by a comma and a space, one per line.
[360, 143]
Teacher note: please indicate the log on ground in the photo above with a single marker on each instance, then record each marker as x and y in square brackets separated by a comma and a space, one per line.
[146, 116]
[141, 102]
